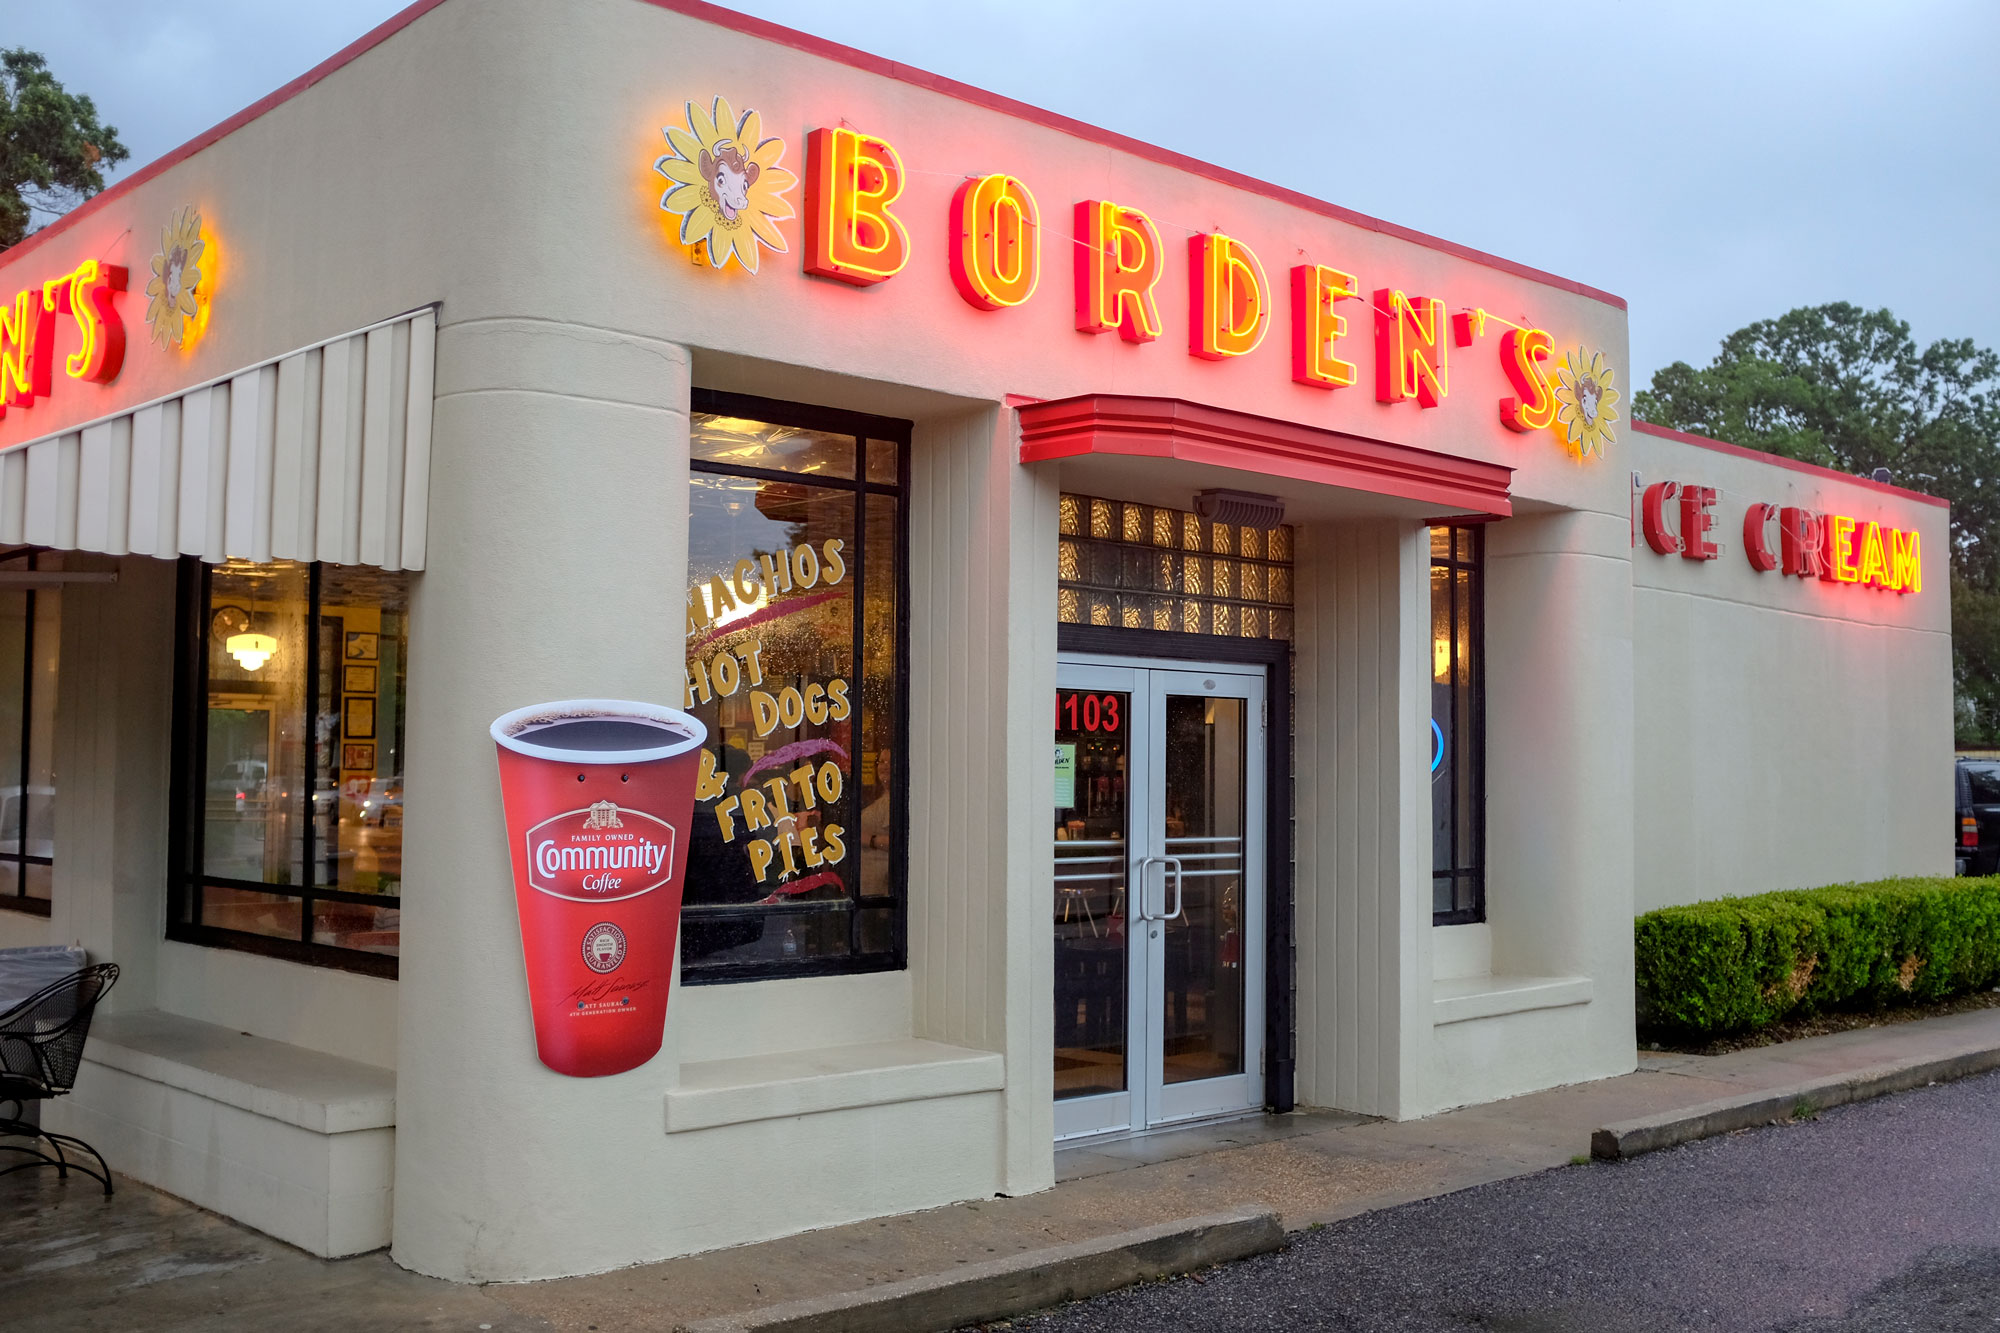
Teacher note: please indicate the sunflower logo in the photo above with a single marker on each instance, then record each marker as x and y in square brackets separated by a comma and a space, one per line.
[1584, 398]
[726, 184]
[175, 294]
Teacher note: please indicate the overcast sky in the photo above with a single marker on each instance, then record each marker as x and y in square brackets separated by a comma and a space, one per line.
[1713, 163]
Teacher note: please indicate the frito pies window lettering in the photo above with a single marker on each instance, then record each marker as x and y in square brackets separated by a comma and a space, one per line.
[795, 656]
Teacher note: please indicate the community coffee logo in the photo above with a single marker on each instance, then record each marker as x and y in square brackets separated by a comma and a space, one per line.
[601, 853]
[603, 947]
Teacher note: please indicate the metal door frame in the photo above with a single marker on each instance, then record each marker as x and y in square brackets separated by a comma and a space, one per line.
[1148, 1102]
[1275, 657]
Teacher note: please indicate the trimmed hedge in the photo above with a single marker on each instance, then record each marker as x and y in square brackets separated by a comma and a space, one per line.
[1733, 964]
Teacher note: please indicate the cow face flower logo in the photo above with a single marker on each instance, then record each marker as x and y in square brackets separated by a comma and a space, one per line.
[177, 302]
[1584, 398]
[726, 183]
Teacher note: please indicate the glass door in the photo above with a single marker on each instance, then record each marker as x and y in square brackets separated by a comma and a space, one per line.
[1158, 893]
[1207, 940]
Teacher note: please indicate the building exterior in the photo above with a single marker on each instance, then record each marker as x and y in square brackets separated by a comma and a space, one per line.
[864, 414]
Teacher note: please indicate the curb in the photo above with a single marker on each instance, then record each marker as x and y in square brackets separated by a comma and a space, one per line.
[1630, 1138]
[999, 1288]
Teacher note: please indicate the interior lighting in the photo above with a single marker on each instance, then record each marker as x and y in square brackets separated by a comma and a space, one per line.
[251, 650]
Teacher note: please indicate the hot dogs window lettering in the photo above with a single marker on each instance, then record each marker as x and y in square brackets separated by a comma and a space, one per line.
[794, 662]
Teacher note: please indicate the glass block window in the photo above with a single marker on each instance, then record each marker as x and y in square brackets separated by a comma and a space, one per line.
[1139, 566]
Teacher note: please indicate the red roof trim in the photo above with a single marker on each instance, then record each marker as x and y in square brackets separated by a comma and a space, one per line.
[367, 41]
[1169, 428]
[861, 60]
[1790, 464]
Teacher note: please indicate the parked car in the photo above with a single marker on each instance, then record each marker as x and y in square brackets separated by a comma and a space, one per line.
[1976, 820]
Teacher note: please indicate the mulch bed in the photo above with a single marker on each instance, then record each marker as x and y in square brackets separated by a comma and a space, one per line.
[1820, 1024]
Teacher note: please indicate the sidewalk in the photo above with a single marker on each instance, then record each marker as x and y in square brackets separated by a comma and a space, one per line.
[149, 1261]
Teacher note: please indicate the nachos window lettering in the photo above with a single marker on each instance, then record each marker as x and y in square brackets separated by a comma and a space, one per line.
[796, 661]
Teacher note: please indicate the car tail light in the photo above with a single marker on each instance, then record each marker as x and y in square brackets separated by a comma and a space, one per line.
[1968, 832]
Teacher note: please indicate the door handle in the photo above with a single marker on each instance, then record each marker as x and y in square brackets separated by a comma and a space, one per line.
[1175, 863]
[1143, 889]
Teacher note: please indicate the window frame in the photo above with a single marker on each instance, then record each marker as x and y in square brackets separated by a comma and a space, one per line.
[1466, 867]
[863, 427]
[188, 794]
[20, 900]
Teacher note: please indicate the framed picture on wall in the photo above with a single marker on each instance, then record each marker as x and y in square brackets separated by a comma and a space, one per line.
[358, 680]
[360, 721]
[361, 646]
[360, 757]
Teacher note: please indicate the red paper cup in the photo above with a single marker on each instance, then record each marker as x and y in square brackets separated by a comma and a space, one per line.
[598, 794]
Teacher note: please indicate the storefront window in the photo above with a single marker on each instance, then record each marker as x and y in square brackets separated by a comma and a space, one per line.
[289, 751]
[1139, 566]
[1458, 727]
[30, 624]
[796, 661]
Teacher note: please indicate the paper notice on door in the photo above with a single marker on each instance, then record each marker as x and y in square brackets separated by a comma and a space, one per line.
[1065, 776]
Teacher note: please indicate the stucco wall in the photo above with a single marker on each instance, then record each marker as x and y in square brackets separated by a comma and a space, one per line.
[1788, 732]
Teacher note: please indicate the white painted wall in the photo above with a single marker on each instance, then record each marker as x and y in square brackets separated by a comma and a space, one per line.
[1559, 815]
[1362, 618]
[320, 1008]
[1789, 732]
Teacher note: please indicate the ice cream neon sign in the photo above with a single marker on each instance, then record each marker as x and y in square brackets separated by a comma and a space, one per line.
[1834, 548]
[28, 333]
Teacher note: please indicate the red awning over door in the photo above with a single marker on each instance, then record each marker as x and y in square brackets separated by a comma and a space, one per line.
[1114, 424]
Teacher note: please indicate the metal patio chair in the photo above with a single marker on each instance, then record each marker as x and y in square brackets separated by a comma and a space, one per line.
[41, 1048]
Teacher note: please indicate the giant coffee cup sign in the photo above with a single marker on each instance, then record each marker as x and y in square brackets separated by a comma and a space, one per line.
[598, 794]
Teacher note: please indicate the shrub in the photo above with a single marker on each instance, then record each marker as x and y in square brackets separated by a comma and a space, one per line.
[1734, 964]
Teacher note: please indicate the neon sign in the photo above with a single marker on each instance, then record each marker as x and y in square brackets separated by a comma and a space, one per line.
[1834, 548]
[1118, 264]
[851, 236]
[1229, 305]
[1522, 352]
[1410, 348]
[1316, 290]
[996, 253]
[725, 184]
[727, 187]
[28, 333]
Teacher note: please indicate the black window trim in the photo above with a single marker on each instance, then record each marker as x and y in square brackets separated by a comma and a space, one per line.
[1467, 868]
[20, 900]
[186, 879]
[863, 427]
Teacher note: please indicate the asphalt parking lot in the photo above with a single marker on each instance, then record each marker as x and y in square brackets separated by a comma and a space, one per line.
[1874, 1217]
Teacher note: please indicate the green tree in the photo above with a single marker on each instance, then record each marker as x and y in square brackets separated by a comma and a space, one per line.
[1849, 389]
[52, 150]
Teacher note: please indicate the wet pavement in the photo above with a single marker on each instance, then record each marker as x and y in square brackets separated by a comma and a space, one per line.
[1884, 1207]
[73, 1261]
[1878, 1216]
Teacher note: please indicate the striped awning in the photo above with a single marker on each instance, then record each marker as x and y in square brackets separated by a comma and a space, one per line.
[323, 454]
